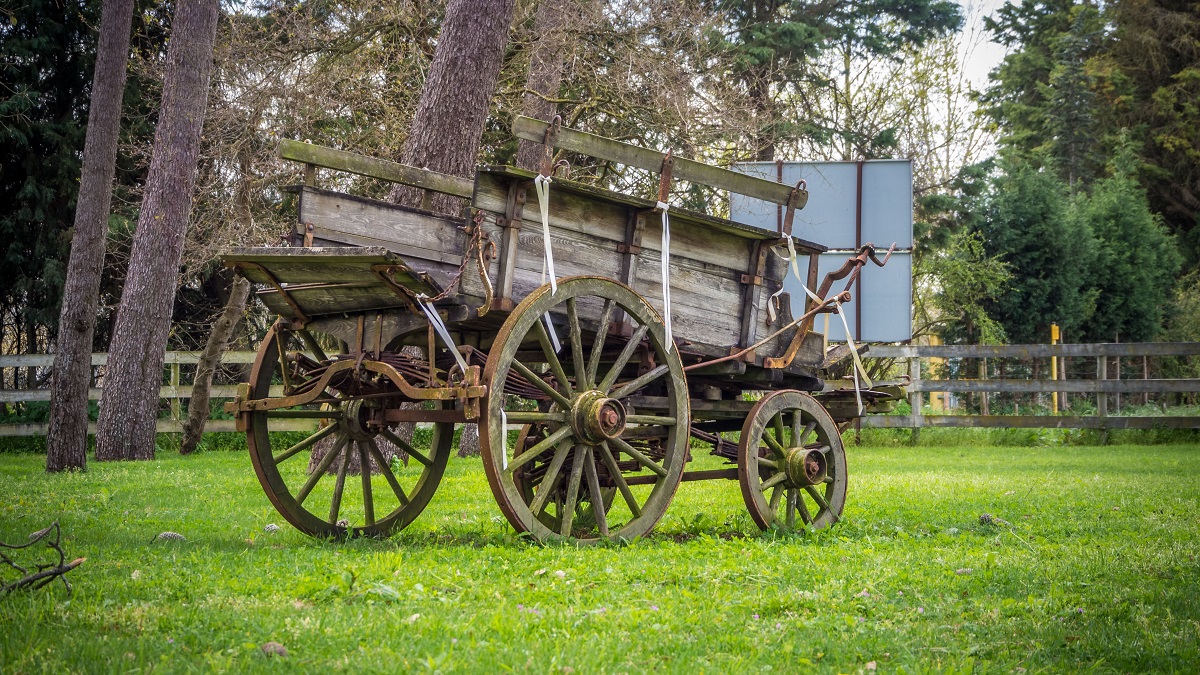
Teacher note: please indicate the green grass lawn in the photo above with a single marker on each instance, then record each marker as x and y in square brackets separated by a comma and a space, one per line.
[1097, 572]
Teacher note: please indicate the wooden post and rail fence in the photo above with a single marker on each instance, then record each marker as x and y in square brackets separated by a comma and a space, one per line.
[1105, 384]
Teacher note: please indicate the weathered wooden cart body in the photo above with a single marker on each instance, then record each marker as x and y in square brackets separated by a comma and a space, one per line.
[580, 366]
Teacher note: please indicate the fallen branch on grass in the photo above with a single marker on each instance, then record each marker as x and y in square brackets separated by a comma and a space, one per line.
[46, 572]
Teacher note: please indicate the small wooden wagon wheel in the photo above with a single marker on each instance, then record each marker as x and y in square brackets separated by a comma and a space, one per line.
[315, 502]
[591, 441]
[791, 463]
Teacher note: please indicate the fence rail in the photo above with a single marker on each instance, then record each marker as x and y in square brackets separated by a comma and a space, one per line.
[1102, 386]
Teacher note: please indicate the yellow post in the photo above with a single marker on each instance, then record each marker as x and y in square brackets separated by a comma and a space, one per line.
[937, 399]
[1054, 337]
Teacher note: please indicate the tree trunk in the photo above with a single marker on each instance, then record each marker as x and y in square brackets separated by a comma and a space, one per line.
[453, 109]
[218, 341]
[129, 408]
[546, 62]
[66, 441]
[454, 104]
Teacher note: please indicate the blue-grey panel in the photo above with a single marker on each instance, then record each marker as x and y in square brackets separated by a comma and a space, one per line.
[829, 217]
[887, 203]
[885, 294]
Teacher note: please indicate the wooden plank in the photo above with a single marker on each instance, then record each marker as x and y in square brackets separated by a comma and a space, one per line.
[165, 427]
[593, 196]
[651, 160]
[371, 167]
[411, 233]
[1037, 351]
[1072, 386]
[1028, 422]
[95, 393]
[101, 359]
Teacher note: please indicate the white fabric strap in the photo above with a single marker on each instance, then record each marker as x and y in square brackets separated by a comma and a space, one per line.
[666, 272]
[542, 185]
[859, 368]
[435, 320]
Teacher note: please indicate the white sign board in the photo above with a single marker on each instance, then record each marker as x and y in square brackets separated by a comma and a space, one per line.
[849, 204]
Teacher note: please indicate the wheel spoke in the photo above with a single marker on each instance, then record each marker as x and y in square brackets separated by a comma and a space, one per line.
[534, 417]
[824, 449]
[777, 425]
[593, 481]
[819, 499]
[568, 507]
[322, 467]
[774, 444]
[387, 472]
[313, 345]
[532, 453]
[552, 359]
[808, 429]
[650, 420]
[550, 479]
[593, 366]
[614, 472]
[405, 446]
[623, 358]
[368, 499]
[336, 504]
[542, 384]
[641, 458]
[803, 510]
[791, 508]
[776, 494]
[769, 463]
[774, 480]
[304, 444]
[633, 385]
[577, 345]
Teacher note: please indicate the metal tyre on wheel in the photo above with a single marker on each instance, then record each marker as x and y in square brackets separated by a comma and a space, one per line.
[317, 502]
[791, 463]
[591, 443]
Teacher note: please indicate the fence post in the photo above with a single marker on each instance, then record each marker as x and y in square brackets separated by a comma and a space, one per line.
[983, 396]
[914, 397]
[176, 406]
[1054, 368]
[1101, 396]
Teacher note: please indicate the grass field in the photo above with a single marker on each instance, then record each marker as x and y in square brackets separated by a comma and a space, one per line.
[1097, 572]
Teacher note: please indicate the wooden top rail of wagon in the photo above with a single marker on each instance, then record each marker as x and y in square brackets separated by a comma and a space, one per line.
[600, 147]
[371, 167]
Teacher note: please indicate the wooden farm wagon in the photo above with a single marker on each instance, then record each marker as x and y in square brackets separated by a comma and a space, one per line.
[586, 396]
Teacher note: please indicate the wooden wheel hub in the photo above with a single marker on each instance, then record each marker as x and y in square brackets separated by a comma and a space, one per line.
[596, 417]
[806, 467]
[354, 421]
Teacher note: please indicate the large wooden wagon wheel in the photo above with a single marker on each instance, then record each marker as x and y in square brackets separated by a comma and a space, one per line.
[577, 401]
[791, 463]
[336, 505]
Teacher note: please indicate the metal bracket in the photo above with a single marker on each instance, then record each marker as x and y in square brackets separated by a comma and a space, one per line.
[629, 248]
[548, 142]
[664, 179]
[796, 200]
[309, 231]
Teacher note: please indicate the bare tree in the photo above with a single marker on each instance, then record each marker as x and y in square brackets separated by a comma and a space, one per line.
[66, 443]
[218, 340]
[129, 408]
